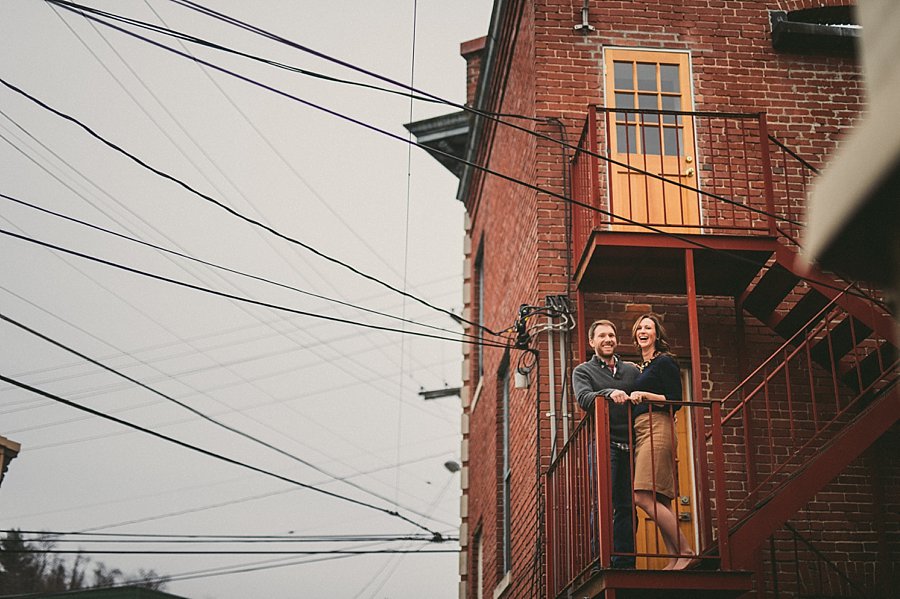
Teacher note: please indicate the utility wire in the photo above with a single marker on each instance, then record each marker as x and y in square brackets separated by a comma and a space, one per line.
[232, 296]
[534, 187]
[229, 209]
[498, 118]
[207, 452]
[224, 551]
[199, 413]
[197, 7]
[224, 268]
[145, 538]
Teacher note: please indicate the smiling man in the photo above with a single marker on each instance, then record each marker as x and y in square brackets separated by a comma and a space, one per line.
[604, 375]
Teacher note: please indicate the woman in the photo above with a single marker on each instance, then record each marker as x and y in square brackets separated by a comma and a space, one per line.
[654, 455]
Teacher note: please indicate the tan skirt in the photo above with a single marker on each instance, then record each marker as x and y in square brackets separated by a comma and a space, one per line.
[654, 468]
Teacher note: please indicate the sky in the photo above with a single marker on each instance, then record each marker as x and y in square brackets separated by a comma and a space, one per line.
[204, 274]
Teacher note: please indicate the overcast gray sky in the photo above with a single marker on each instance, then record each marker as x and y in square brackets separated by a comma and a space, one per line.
[338, 396]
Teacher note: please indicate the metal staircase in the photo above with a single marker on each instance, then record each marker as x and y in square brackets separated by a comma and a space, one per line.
[825, 396]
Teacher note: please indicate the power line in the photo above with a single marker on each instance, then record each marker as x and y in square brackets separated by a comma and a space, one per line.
[371, 127]
[232, 296]
[112, 537]
[207, 452]
[306, 330]
[199, 413]
[224, 268]
[412, 90]
[224, 551]
[534, 187]
[227, 208]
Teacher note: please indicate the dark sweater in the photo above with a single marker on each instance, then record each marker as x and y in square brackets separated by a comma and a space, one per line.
[592, 379]
[661, 376]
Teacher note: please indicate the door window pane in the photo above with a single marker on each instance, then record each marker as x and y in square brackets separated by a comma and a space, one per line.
[623, 75]
[624, 101]
[648, 102]
[626, 139]
[673, 139]
[650, 140]
[646, 76]
[668, 78]
[671, 103]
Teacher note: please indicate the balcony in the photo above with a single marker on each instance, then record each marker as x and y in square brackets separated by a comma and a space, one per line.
[649, 184]
[756, 457]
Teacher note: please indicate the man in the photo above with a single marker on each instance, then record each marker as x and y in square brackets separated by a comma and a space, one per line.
[604, 375]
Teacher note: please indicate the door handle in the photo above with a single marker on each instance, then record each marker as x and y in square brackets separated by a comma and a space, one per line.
[689, 172]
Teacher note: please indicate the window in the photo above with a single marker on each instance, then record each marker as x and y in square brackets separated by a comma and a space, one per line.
[478, 566]
[648, 86]
[479, 310]
[505, 470]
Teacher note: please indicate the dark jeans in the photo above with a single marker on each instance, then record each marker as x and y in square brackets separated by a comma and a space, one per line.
[622, 504]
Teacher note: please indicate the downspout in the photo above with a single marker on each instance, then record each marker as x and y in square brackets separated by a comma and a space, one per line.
[552, 374]
[564, 400]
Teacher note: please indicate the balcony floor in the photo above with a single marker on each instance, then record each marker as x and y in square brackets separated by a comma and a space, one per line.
[615, 261]
[651, 584]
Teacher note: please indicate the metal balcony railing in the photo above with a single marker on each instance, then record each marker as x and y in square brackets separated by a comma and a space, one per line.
[754, 441]
[738, 179]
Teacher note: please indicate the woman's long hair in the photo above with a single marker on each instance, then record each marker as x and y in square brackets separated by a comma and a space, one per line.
[662, 339]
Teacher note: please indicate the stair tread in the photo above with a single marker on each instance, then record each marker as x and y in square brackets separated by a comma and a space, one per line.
[807, 307]
[839, 342]
[769, 291]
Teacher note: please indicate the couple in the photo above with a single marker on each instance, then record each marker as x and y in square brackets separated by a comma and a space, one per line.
[657, 379]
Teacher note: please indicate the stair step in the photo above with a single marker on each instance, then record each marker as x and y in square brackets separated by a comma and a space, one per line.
[808, 306]
[769, 292]
[842, 339]
[870, 368]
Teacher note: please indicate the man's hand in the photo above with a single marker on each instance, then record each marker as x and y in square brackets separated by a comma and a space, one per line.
[636, 396]
[618, 396]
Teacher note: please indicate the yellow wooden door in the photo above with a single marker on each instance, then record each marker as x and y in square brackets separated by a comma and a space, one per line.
[660, 144]
[648, 540]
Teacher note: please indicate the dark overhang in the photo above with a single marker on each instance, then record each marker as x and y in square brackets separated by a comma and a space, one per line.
[830, 29]
[443, 135]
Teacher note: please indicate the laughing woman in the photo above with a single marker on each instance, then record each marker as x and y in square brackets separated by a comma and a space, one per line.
[654, 447]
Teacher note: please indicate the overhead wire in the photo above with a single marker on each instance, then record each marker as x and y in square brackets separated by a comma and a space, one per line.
[229, 209]
[207, 452]
[224, 268]
[74, 536]
[200, 413]
[222, 172]
[197, 7]
[498, 118]
[690, 241]
[307, 330]
[232, 296]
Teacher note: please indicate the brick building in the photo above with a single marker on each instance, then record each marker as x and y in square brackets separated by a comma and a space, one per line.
[629, 156]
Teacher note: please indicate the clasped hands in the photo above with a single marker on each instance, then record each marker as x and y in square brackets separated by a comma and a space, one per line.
[620, 397]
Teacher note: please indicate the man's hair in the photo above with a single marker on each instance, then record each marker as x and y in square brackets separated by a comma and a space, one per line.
[598, 323]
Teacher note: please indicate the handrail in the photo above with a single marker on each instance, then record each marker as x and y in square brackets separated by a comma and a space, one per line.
[793, 154]
[775, 355]
[824, 559]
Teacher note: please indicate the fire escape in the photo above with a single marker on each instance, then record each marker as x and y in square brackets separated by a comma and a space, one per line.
[796, 421]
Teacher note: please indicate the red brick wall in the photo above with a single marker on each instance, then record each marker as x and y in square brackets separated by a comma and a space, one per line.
[552, 72]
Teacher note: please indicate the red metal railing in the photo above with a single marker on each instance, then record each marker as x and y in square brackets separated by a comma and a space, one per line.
[811, 387]
[791, 178]
[577, 540]
[732, 174]
[798, 568]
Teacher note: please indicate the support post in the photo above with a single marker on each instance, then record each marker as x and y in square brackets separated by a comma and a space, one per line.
[701, 467]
